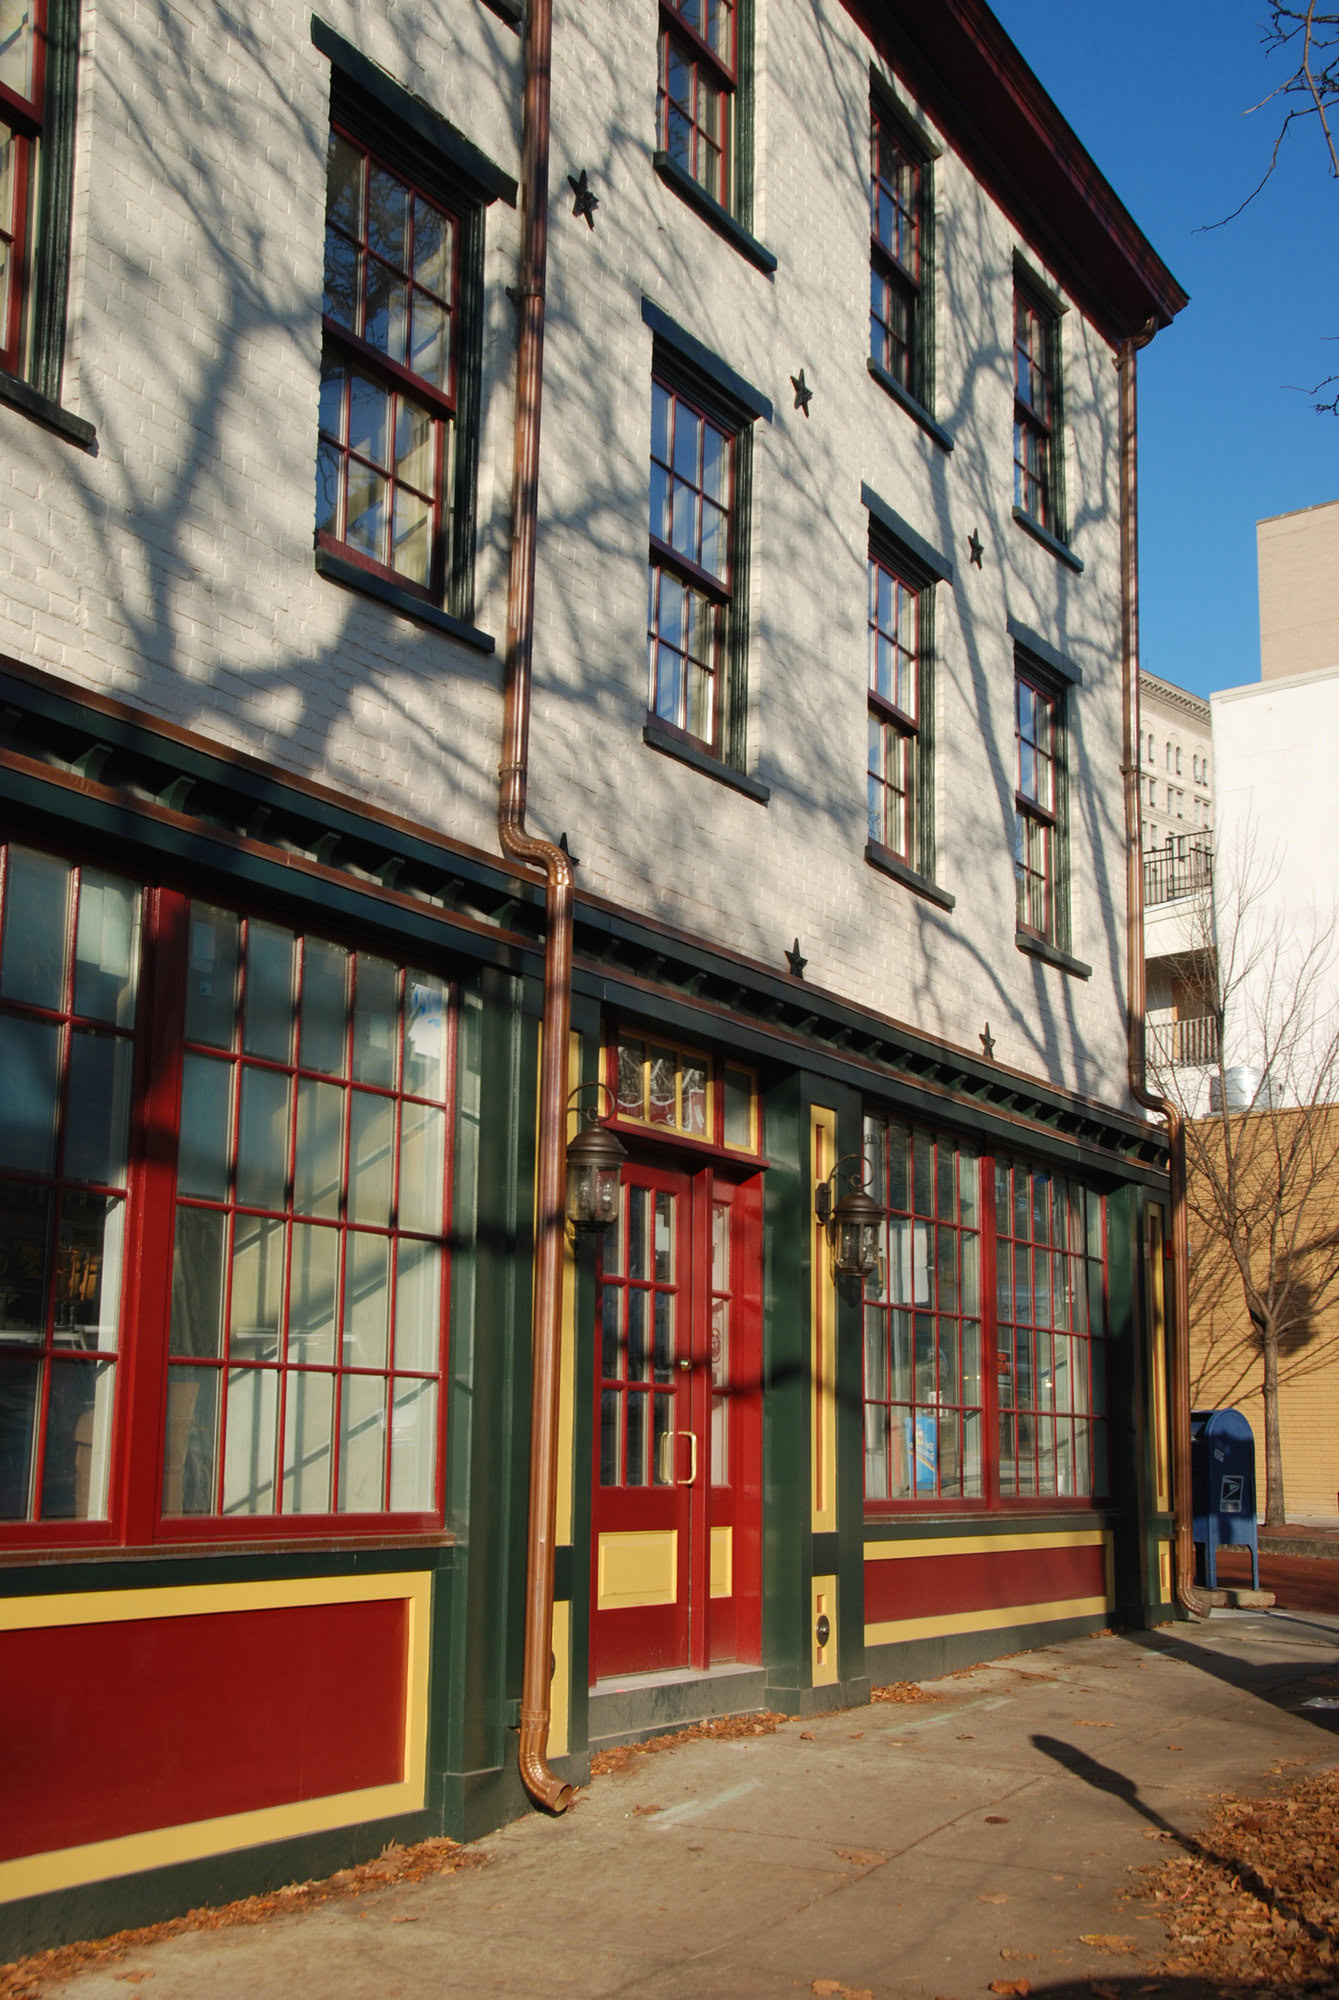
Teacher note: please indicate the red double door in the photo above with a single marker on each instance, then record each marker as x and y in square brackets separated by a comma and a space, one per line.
[676, 1535]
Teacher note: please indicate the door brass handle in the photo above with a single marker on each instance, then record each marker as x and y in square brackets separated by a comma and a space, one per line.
[692, 1457]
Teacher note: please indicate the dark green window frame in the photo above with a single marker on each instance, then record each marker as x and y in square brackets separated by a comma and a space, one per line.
[32, 382]
[1032, 672]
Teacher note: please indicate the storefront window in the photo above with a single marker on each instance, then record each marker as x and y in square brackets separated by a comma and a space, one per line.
[271, 1165]
[970, 1397]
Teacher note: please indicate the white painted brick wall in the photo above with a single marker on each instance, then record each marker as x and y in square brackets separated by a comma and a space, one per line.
[174, 569]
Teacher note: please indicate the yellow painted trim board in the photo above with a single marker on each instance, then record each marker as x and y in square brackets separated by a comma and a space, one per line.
[823, 1339]
[639, 1566]
[722, 1562]
[983, 1545]
[67, 1868]
[900, 1630]
[195, 1840]
[197, 1600]
[560, 1686]
[823, 1603]
[567, 1341]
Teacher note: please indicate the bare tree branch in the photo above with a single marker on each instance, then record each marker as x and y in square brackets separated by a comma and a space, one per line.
[1264, 1172]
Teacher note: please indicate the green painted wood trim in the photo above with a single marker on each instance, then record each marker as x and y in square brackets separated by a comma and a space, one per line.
[927, 1659]
[850, 1566]
[167, 1568]
[944, 1527]
[488, 1442]
[124, 1902]
[1129, 1430]
[787, 1557]
[55, 199]
[588, 1023]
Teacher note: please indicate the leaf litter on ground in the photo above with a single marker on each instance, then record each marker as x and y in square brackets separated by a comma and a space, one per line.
[27, 1978]
[1255, 1899]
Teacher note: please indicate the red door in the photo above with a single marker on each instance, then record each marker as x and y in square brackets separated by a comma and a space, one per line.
[676, 1521]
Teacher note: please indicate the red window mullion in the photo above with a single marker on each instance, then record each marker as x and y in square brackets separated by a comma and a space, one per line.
[151, 1200]
[725, 71]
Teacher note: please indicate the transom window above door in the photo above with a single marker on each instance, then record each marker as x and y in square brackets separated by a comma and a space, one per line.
[684, 1093]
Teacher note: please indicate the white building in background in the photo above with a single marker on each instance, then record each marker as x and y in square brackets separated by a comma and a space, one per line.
[1175, 765]
[1278, 835]
[1176, 795]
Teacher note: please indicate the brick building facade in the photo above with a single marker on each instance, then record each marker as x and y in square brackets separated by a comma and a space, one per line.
[835, 387]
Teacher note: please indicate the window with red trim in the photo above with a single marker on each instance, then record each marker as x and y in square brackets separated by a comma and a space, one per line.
[691, 566]
[1036, 355]
[898, 182]
[70, 1010]
[388, 370]
[309, 1264]
[1051, 1367]
[695, 100]
[1037, 806]
[924, 1413]
[22, 115]
[258, 1193]
[985, 1327]
[894, 710]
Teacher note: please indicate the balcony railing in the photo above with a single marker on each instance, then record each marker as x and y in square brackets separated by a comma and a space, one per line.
[1169, 875]
[1191, 1044]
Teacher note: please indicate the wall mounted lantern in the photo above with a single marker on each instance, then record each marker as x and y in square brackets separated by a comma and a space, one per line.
[853, 1222]
[594, 1170]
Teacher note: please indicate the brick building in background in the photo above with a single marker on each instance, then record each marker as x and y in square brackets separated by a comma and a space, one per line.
[831, 389]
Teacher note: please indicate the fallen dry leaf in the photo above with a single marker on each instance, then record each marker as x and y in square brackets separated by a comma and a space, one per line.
[644, 1812]
[832, 1989]
[806, 1736]
[1094, 1725]
[404, 1920]
[902, 1691]
[997, 1819]
[1104, 1941]
[1010, 1951]
[861, 1857]
[993, 1896]
[26, 1978]
[624, 1756]
[1011, 1986]
[1173, 1746]
[1104, 1989]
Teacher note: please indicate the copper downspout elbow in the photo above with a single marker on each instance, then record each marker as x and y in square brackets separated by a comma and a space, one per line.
[543, 1784]
[1187, 1595]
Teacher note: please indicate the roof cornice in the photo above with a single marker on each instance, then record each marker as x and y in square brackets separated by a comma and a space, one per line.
[974, 84]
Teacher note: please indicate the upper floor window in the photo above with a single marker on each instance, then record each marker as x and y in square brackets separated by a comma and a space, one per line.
[692, 606]
[1037, 802]
[1036, 410]
[695, 101]
[900, 217]
[38, 53]
[894, 710]
[388, 370]
[1178, 760]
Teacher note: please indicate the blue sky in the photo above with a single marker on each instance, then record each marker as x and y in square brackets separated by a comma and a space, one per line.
[1156, 90]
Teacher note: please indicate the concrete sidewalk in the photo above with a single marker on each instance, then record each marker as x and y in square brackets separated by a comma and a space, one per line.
[898, 1850]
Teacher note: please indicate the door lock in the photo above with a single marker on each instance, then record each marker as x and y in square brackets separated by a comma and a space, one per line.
[685, 1363]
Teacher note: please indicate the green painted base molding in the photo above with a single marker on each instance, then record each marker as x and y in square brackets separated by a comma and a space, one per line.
[125, 1902]
[630, 1709]
[927, 1659]
[819, 1700]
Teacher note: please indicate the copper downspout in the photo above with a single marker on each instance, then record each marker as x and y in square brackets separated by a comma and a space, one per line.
[1187, 1595]
[543, 1785]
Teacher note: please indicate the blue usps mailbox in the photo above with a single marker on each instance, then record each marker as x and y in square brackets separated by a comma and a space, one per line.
[1222, 1485]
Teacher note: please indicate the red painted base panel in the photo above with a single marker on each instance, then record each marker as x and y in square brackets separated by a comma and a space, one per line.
[931, 1585]
[118, 1728]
